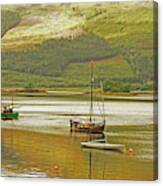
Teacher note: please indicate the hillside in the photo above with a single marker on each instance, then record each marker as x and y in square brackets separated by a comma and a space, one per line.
[129, 30]
[53, 56]
[9, 19]
[53, 45]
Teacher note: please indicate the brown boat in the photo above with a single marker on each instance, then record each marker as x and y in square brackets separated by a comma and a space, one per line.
[89, 126]
[78, 126]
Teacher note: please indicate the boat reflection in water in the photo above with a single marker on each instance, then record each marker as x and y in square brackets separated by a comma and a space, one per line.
[61, 155]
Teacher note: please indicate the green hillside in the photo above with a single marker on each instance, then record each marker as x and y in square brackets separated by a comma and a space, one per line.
[53, 45]
[130, 31]
[9, 19]
[19, 79]
[75, 75]
[53, 69]
[52, 57]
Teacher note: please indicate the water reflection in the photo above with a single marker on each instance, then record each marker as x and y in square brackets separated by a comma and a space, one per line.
[39, 144]
[49, 155]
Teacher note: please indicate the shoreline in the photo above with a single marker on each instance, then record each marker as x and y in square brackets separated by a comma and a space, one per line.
[65, 130]
[79, 95]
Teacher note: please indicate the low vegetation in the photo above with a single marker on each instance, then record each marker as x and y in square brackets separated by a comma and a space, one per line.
[9, 19]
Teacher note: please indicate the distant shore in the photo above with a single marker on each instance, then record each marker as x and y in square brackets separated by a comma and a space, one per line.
[80, 94]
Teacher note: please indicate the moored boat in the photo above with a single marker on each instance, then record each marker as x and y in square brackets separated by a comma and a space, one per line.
[8, 113]
[9, 116]
[90, 126]
[103, 146]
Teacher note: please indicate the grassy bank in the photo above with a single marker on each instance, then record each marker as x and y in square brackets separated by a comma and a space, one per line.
[78, 94]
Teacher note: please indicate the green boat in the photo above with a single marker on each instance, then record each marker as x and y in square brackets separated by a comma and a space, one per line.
[9, 116]
[8, 113]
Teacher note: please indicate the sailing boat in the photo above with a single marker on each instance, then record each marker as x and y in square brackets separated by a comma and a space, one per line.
[90, 126]
[8, 113]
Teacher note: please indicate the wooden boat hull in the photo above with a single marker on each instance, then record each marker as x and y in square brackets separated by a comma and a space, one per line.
[9, 116]
[87, 127]
[90, 126]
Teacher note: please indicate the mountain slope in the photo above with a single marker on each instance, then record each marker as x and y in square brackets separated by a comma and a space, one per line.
[57, 41]
[9, 19]
[53, 56]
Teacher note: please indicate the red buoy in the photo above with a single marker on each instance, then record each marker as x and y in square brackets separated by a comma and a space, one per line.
[56, 167]
[130, 151]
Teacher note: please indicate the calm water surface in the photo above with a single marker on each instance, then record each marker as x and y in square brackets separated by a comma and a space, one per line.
[39, 144]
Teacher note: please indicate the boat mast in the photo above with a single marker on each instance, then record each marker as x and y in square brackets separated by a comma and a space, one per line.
[92, 84]
[102, 96]
[12, 101]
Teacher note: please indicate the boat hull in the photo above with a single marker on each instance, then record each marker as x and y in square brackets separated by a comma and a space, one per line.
[87, 127]
[9, 116]
[103, 146]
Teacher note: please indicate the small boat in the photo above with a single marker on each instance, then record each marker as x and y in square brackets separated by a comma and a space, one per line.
[103, 145]
[8, 113]
[90, 126]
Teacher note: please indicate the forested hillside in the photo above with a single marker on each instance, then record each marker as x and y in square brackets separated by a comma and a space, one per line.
[54, 44]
